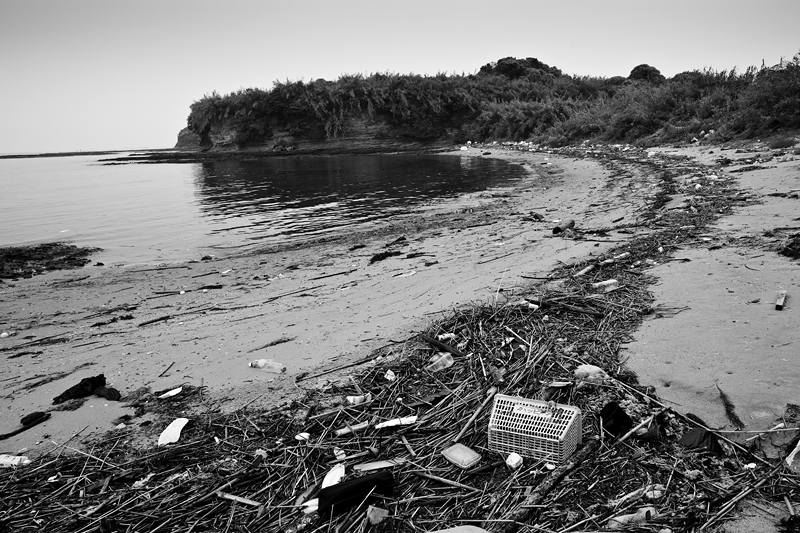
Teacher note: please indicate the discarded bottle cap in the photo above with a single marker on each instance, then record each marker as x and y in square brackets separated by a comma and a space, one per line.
[514, 460]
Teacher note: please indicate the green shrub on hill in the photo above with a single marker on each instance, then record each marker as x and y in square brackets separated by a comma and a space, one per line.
[514, 99]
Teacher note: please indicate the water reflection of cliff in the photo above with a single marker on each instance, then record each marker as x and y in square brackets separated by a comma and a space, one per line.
[295, 196]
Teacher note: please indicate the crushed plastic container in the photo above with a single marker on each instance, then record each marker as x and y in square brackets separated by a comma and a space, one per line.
[461, 456]
[442, 362]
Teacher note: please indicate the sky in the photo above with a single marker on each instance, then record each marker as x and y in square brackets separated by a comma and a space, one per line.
[81, 75]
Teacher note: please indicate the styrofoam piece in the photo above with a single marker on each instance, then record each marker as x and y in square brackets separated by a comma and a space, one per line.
[334, 476]
[172, 433]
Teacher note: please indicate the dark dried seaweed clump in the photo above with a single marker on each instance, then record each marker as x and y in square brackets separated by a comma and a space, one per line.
[27, 261]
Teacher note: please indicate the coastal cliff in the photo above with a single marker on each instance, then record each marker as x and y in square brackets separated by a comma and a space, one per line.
[357, 136]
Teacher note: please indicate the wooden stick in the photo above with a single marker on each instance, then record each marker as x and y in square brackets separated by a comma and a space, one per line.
[446, 481]
[153, 321]
[239, 499]
[489, 396]
[167, 369]
[441, 345]
[272, 299]
[331, 275]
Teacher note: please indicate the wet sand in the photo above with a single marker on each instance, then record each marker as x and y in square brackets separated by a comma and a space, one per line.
[326, 305]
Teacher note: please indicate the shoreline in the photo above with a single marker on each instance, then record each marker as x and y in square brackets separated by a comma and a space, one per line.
[323, 305]
[474, 246]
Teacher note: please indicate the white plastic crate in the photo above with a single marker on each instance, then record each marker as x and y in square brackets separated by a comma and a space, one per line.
[533, 429]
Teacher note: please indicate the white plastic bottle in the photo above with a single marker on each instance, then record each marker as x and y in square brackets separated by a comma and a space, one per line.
[268, 365]
[445, 360]
[8, 461]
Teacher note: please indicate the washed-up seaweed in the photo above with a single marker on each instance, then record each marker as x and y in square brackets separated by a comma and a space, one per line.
[249, 470]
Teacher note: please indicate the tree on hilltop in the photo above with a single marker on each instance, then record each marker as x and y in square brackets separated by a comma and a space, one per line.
[646, 73]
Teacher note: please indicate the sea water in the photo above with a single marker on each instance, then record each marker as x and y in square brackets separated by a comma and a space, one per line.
[151, 213]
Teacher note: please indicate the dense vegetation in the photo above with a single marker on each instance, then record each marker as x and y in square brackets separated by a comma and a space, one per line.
[516, 99]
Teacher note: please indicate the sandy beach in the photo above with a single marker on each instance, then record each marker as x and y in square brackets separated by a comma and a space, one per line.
[326, 305]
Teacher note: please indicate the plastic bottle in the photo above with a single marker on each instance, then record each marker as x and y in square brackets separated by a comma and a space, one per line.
[445, 361]
[644, 514]
[268, 365]
[608, 285]
[8, 461]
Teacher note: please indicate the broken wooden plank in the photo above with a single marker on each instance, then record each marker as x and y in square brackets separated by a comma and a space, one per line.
[780, 301]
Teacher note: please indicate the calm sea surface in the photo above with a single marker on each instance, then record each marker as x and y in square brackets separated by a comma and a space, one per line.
[145, 213]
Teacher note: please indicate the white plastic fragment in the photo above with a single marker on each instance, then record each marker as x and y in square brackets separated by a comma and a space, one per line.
[334, 476]
[589, 372]
[171, 393]
[302, 436]
[402, 421]
[140, 484]
[390, 376]
[358, 400]
[791, 456]
[376, 515]
[310, 506]
[172, 433]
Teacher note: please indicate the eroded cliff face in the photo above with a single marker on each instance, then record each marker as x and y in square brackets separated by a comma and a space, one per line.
[358, 136]
[187, 140]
